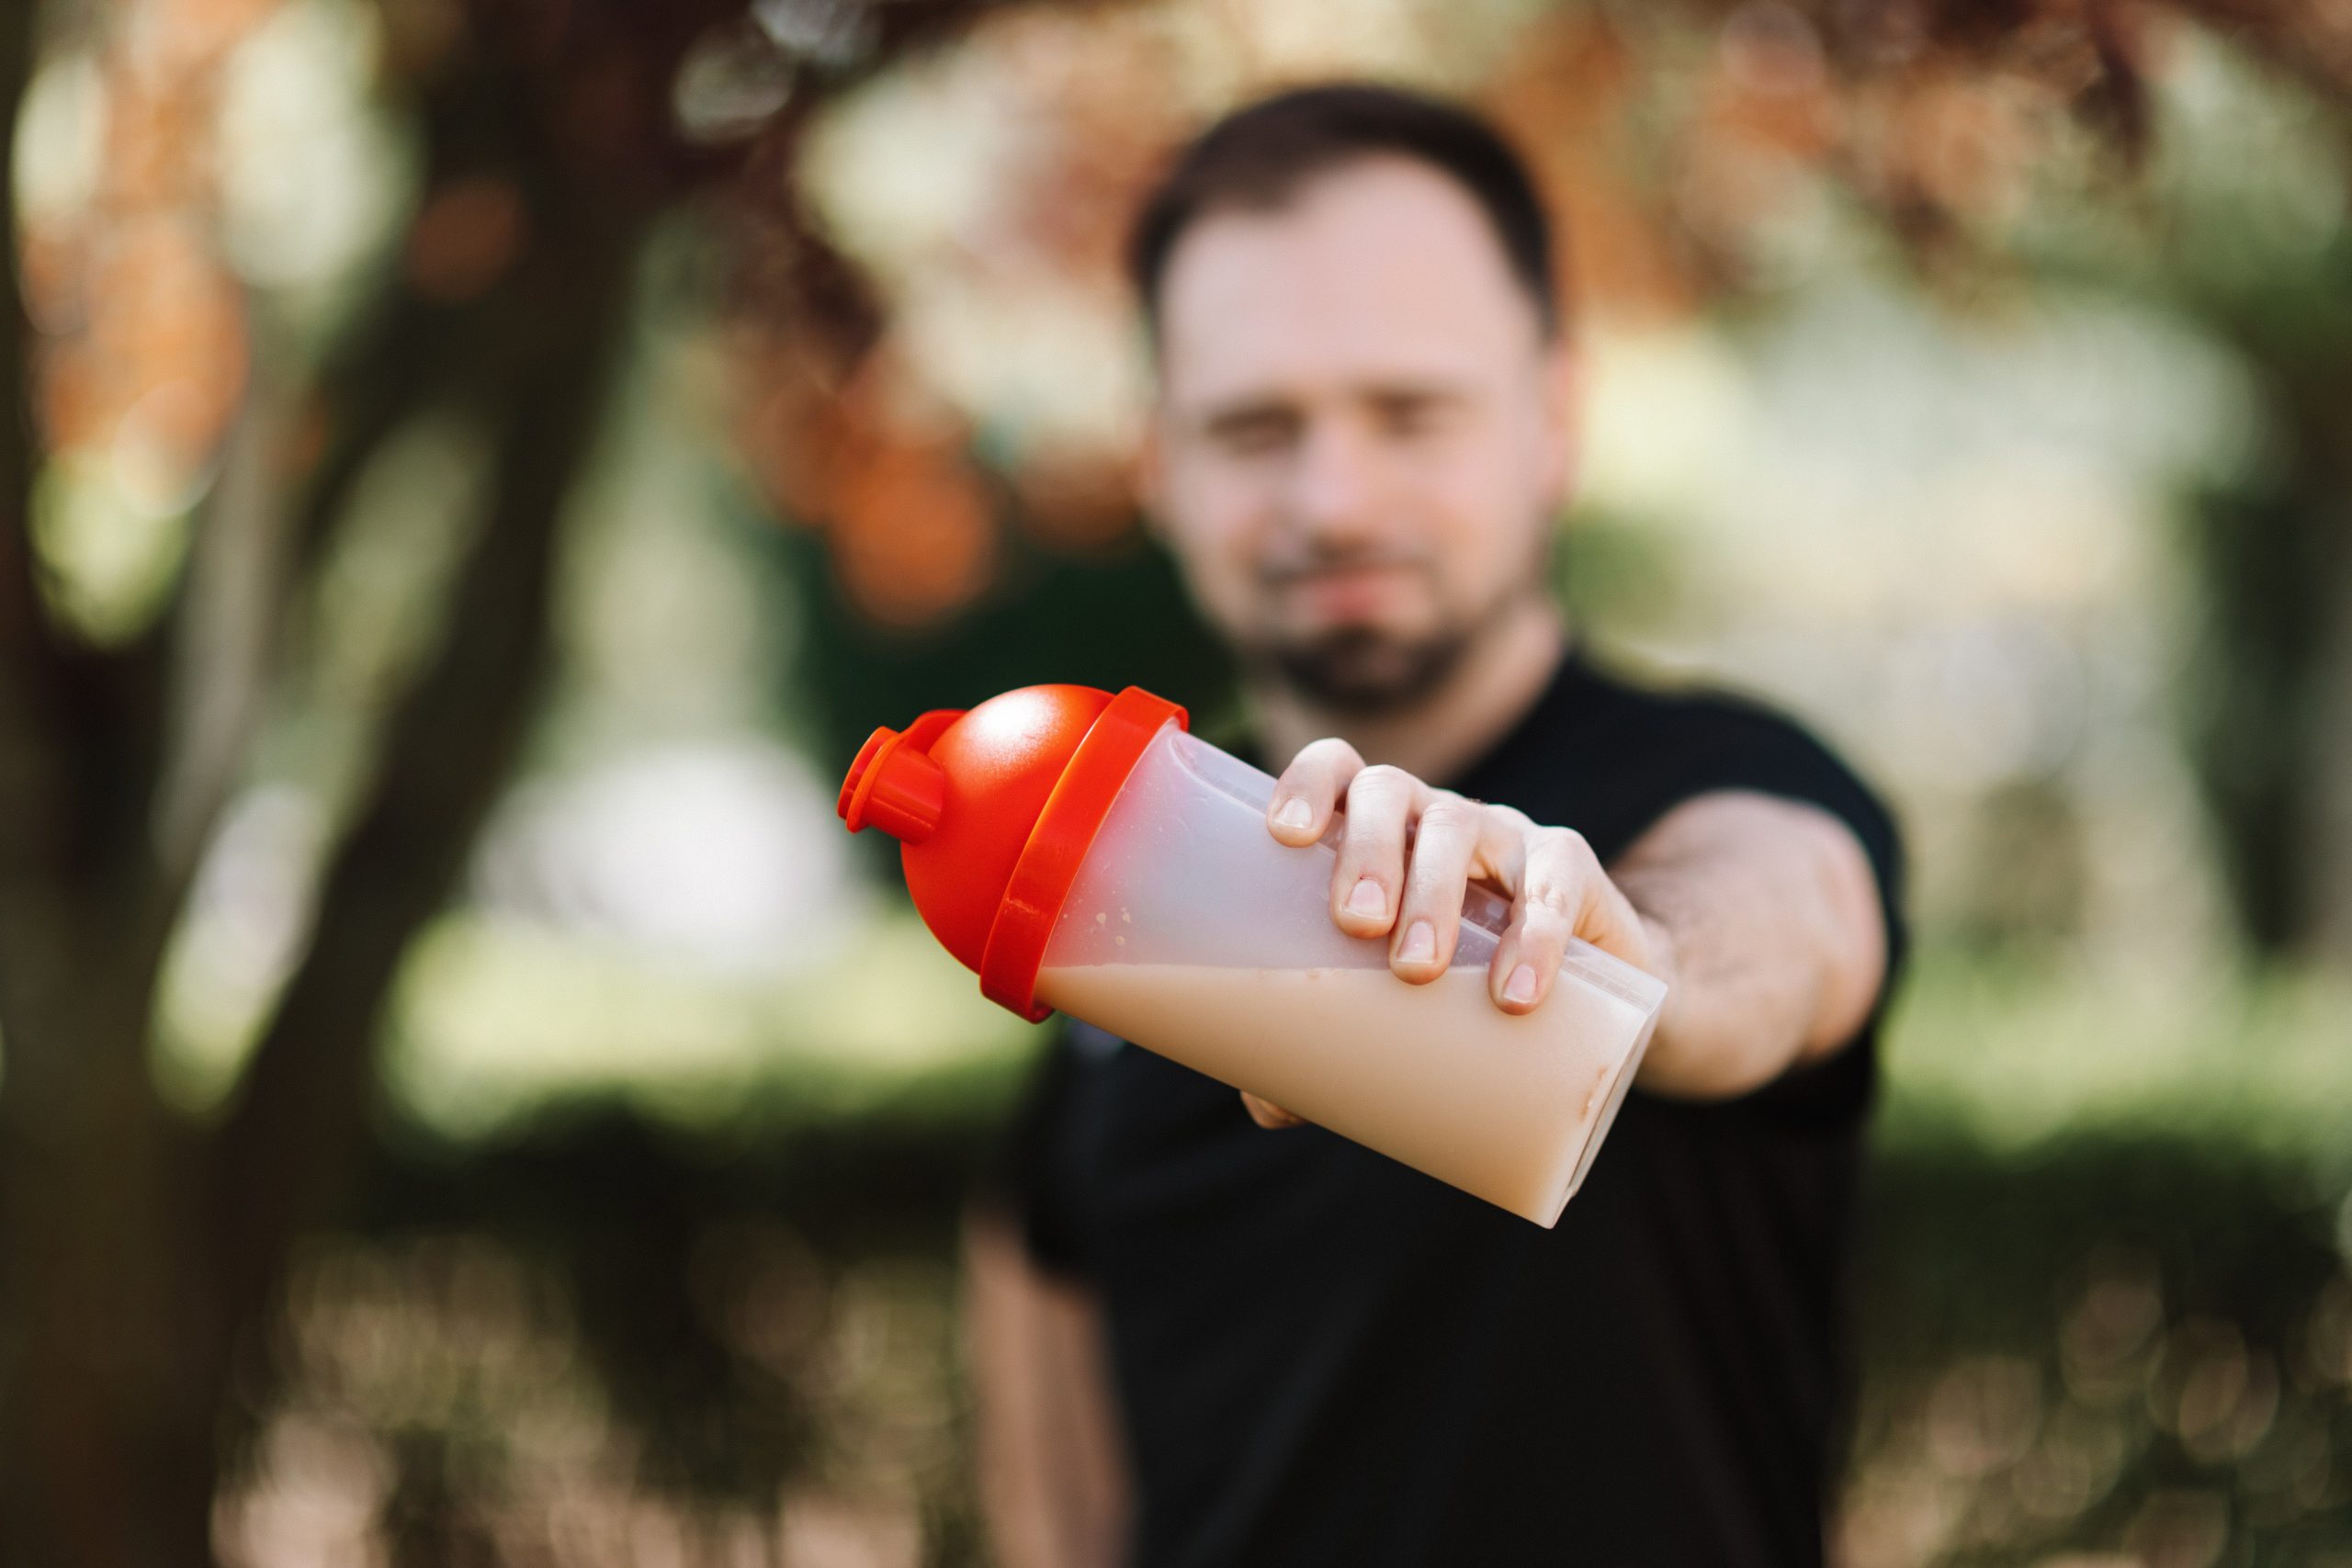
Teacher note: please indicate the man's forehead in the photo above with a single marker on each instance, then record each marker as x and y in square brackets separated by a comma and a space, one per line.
[1381, 269]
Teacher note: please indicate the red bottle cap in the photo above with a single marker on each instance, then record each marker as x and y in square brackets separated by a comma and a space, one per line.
[995, 810]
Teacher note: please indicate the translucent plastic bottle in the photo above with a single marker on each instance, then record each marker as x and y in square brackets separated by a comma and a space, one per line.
[1086, 853]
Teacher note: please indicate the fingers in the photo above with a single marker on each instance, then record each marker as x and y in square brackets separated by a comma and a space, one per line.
[1448, 837]
[1368, 879]
[1559, 891]
[1310, 790]
[1269, 1116]
[1406, 857]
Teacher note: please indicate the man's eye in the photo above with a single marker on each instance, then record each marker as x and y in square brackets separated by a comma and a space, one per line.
[1418, 417]
[1260, 433]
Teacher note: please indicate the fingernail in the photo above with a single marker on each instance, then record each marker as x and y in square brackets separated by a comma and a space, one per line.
[1521, 986]
[1366, 899]
[1294, 813]
[1420, 944]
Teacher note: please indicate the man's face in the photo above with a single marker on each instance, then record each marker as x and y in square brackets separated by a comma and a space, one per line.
[1363, 432]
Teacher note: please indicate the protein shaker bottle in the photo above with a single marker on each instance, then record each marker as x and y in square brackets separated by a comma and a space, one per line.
[1084, 852]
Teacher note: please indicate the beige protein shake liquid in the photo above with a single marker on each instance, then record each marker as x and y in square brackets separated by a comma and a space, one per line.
[1437, 1076]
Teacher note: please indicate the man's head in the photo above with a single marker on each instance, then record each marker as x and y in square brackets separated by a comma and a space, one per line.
[1363, 426]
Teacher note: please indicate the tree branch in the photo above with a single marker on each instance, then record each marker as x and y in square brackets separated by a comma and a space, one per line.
[222, 631]
[301, 1110]
[254, 546]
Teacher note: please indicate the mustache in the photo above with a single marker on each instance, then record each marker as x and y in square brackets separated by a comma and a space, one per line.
[1282, 571]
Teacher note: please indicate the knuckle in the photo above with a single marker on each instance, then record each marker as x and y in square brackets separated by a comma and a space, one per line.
[1550, 905]
[1318, 760]
[1450, 813]
[1567, 842]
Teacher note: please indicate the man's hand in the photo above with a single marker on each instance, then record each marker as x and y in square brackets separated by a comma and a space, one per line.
[1409, 852]
[1761, 914]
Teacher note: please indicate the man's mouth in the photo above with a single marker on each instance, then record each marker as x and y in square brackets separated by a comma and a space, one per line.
[1348, 593]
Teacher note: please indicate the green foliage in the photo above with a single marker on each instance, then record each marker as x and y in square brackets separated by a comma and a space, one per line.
[1112, 619]
[2103, 1301]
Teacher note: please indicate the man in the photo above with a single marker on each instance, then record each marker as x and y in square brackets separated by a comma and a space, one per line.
[1204, 1342]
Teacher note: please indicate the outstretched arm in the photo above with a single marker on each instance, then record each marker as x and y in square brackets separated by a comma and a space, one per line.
[1762, 916]
[1760, 913]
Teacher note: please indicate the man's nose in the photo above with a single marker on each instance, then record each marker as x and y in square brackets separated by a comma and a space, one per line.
[1333, 481]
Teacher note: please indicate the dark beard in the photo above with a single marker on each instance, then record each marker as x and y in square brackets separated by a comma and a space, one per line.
[1358, 672]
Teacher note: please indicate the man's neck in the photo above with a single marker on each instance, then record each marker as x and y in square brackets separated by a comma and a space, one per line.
[1498, 680]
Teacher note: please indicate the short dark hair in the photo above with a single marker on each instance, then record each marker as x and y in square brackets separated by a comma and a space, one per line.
[1259, 156]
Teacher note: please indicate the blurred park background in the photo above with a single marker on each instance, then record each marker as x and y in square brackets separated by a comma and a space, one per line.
[471, 470]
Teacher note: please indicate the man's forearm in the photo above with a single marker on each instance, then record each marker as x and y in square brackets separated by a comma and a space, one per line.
[1762, 917]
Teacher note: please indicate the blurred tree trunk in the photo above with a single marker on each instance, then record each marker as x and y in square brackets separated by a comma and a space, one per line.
[141, 1253]
[138, 1251]
[142, 1248]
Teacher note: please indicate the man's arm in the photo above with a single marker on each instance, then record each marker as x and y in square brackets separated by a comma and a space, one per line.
[1760, 913]
[1762, 916]
[1053, 1478]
